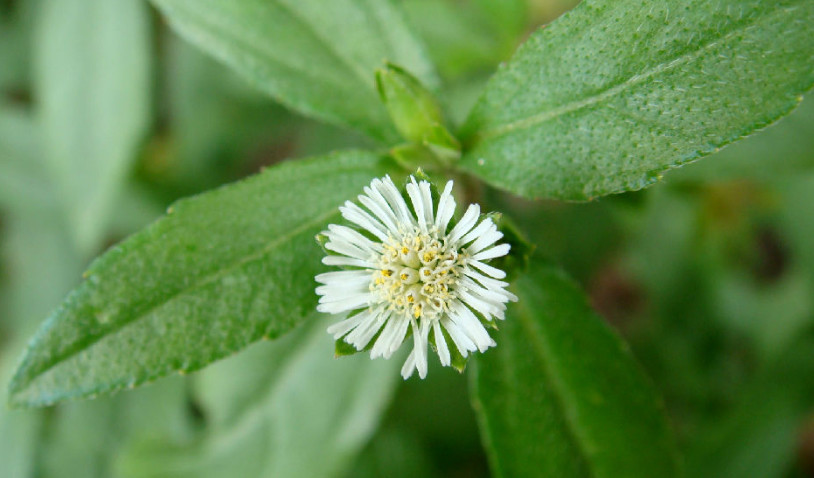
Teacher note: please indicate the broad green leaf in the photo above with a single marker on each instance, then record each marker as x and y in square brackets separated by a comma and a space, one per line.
[315, 57]
[286, 409]
[784, 150]
[617, 91]
[92, 81]
[222, 270]
[562, 396]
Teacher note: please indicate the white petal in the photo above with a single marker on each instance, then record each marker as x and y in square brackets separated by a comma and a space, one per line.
[485, 308]
[400, 333]
[446, 208]
[344, 304]
[472, 327]
[497, 251]
[379, 207]
[363, 219]
[384, 341]
[441, 345]
[339, 329]
[354, 238]
[362, 334]
[418, 204]
[344, 277]
[393, 197]
[426, 196]
[488, 270]
[479, 231]
[461, 341]
[409, 366]
[341, 290]
[346, 261]
[486, 240]
[485, 281]
[420, 347]
[347, 249]
[489, 288]
[465, 224]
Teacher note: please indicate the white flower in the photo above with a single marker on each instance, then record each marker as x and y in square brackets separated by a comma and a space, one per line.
[410, 268]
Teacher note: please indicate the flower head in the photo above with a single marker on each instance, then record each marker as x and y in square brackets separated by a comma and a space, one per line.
[412, 268]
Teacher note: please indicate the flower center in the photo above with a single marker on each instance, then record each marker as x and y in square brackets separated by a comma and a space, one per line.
[417, 274]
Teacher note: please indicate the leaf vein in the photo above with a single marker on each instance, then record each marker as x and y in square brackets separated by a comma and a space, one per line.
[634, 80]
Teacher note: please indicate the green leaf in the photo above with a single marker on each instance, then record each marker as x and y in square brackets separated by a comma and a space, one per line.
[286, 409]
[759, 436]
[92, 78]
[617, 91]
[315, 57]
[784, 150]
[219, 272]
[24, 181]
[88, 438]
[458, 36]
[561, 394]
[19, 429]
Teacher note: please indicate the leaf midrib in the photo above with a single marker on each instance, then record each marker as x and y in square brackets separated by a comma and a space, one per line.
[634, 80]
[203, 281]
[527, 323]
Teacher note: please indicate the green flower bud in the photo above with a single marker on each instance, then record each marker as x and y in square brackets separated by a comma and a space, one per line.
[415, 112]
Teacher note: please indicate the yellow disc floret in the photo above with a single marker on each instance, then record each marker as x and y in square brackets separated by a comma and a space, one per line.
[417, 274]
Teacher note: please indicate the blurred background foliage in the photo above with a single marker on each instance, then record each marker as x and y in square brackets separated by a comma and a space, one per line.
[709, 275]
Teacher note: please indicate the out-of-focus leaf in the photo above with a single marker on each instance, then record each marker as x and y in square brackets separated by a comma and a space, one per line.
[458, 39]
[315, 57]
[796, 220]
[19, 429]
[561, 394]
[216, 120]
[219, 272]
[92, 81]
[41, 265]
[772, 315]
[286, 409]
[758, 438]
[15, 46]
[88, 438]
[615, 92]
[394, 454]
[24, 182]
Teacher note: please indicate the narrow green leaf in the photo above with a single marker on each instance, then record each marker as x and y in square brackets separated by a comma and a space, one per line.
[313, 56]
[286, 409]
[562, 396]
[92, 79]
[617, 91]
[219, 272]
